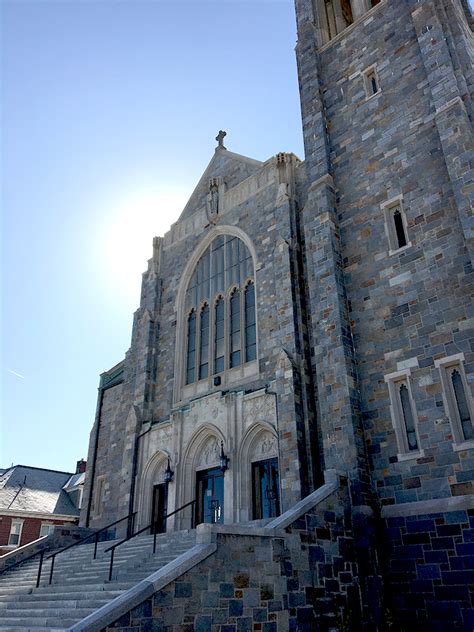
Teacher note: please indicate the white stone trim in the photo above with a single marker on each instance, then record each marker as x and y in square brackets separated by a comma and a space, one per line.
[447, 106]
[454, 359]
[388, 208]
[367, 73]
[444, 365]
[394, 380]
[424, 507]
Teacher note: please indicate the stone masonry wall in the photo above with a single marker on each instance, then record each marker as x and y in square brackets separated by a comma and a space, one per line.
[307, 580]
[412, 307]
[431, 570]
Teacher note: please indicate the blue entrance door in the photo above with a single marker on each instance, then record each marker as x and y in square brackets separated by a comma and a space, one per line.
[210, 496]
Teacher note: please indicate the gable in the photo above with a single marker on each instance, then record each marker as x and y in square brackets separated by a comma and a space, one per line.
[233, 168]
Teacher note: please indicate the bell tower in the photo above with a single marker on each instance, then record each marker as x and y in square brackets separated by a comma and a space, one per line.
[386, 99]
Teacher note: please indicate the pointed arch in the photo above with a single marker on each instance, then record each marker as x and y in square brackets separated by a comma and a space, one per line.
[153, 474]
[217, 271]
[248, 453]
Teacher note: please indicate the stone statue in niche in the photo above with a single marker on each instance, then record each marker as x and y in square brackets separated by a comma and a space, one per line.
[214, 199]
[160, 472]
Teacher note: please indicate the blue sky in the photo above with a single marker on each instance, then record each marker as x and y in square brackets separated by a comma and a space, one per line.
[109, 114]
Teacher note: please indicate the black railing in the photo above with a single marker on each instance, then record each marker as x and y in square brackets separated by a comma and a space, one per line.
[95, 535]
[155, 533]
[24, 559]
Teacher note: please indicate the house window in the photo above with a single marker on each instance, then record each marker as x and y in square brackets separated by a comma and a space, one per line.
[46, 529]
[457, 399]
[396, 225]
[403, 412]
[15, 533]
[220, 303]
[371, 81]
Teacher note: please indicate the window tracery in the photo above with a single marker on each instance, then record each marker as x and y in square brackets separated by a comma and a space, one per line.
[457, 399]
[220, 304]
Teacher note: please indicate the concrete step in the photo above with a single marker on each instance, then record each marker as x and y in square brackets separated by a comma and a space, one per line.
[31, 629]
[80, 583]
[51, 604]
[33, 622]
[56, 613]
[35, 597]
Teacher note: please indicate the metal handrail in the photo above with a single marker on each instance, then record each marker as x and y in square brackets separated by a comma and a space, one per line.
[24, 559]
[95, 535]
[149, 526]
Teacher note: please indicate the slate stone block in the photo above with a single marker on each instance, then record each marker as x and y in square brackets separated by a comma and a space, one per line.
[203, 623]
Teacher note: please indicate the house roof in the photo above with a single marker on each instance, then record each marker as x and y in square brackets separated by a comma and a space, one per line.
[32, 489]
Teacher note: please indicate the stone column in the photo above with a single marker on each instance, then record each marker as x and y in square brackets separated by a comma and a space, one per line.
[333, 353]
[293, 440]
[451, 117]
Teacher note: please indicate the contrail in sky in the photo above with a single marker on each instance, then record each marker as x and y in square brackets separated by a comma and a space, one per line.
[15, 373]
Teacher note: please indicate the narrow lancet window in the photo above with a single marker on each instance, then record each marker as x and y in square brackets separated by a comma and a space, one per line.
[408, 417]
[204, 343]
[219, 340]
[399, 228]
[191, 354]
[250, 328]
[234, 337]
[462, 405]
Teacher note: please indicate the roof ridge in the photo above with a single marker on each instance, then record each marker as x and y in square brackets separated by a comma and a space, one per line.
[43, 469]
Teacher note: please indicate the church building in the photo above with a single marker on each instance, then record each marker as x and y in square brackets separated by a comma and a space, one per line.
[306, 316]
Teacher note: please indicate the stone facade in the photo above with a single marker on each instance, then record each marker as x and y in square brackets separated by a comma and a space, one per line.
[311, 580]
[361, 260]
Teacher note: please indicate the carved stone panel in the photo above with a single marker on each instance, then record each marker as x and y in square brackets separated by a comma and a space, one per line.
[265, 448]
[260, 408]
[209, 454]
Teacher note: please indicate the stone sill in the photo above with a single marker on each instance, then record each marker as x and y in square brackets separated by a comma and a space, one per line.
[463, 445]
[409, 456]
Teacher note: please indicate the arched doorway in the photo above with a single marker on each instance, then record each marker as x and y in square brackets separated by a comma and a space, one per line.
[153, 499]
[203, 479]
[259, 473]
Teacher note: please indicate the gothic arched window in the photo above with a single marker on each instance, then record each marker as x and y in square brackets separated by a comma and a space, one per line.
[457, 399]
[220, 303]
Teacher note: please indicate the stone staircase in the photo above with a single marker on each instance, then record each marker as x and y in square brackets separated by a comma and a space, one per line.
[80, 584]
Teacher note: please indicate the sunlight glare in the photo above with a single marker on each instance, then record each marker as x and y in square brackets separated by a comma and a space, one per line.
[129, 232]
